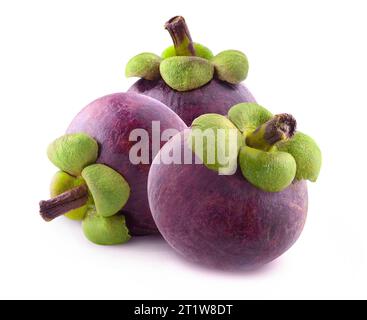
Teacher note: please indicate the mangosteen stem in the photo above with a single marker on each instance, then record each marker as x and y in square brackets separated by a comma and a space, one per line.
[180, 35]
[69, 200]
[280, 127]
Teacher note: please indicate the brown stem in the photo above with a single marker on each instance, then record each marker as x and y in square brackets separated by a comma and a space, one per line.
[280, 127]
[69, 200]
[180, 35]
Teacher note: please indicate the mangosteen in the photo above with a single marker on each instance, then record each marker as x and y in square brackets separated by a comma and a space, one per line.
[98, 183]
[188, 78]
[237, 199]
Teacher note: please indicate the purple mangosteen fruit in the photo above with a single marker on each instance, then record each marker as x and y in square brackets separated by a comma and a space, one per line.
[98, 182]
[230, 192]
[188, 78]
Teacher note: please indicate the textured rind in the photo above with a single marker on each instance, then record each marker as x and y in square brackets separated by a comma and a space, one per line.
[144, 65]
[62, 182]
[248, 116]
[306, 153]
[200, 51]
[223, 221]
[105, 230]
[217, 145]
[110, 120]
[109, 189]
[184, 73]
[214, 97]
[72, 152]
[231, 66]
[269, 171]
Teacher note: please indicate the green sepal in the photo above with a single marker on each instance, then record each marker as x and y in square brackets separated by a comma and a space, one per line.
[248, 116]
[216, 141]
[144, 65]
[73, 152]
[306, 153]
[105, 230]
[269, 171]
[110, 191]
[231, 66]
[184, 73]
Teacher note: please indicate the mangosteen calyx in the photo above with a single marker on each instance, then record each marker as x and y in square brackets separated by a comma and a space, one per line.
[85, 190]
[269, 151]
[188, 65]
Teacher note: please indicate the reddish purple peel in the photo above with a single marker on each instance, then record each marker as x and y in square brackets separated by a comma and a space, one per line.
[215, 97]
[223, 221]
[110, 120]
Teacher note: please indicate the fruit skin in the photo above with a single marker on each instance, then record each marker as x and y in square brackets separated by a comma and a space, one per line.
[215, 97]
[109, 189]
[110, 120]
[222, 221]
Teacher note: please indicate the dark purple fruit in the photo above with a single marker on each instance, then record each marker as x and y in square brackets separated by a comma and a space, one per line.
[223, 221]
[237, 198]
[215, 97]
[109, 121]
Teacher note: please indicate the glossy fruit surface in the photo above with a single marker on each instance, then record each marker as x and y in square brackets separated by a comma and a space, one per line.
[110, 120]
[215, 97]
[222, 221]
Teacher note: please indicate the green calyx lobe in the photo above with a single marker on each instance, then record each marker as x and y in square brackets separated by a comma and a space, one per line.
[231, 66]
[105, 231]
[108, 188]
[186, 73]
[216, 141]
[144, 65]
[271, 155]
[188, 65]
[248, 116]
[83, 190]
[72, 152]
[306, 153]
[269, 171]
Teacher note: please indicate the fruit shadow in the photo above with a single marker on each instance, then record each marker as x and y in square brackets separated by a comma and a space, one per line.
[162, 250]
[155, 248]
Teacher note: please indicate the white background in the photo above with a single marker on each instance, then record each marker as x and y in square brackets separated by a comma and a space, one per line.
[308, 58]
